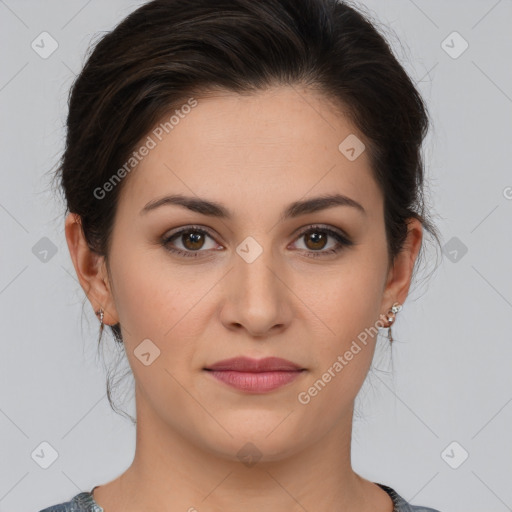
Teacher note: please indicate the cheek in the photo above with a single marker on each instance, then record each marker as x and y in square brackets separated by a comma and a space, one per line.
[348, 300]
[150, 294]
[163, 303]
[343, 347]
[154, 304]
[346, 309]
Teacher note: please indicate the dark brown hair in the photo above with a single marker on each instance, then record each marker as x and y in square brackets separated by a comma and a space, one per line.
[169, 50]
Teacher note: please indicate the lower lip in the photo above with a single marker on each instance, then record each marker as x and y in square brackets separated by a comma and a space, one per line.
[253, 382]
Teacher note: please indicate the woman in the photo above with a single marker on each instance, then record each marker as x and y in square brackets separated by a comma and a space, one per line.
[244, 185]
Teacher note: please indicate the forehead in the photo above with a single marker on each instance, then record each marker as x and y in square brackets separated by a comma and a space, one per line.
[272, 146]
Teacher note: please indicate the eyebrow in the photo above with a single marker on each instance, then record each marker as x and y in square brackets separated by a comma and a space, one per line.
[215, 209]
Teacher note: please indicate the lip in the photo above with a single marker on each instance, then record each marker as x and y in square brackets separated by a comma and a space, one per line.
[255, 375]
[247, 364]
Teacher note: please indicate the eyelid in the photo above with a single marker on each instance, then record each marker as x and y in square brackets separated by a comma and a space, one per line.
[184, 229]
[297, 232]
[324, 227]
[342, 238]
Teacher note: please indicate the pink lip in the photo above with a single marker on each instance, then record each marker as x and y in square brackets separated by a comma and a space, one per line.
[247, 364]
[255, 375]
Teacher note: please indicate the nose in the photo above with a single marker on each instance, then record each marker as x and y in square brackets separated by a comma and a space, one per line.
[257, 298]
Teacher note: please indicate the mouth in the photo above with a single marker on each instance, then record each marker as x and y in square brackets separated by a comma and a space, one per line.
[255, 382]
[253, 375]
[247, 364]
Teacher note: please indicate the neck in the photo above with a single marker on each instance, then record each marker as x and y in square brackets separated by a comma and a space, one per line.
[172, 472]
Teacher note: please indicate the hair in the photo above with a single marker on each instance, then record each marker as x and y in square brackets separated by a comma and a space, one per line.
[168, 50]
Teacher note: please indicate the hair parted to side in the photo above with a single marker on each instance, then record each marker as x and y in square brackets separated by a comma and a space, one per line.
[169, 50]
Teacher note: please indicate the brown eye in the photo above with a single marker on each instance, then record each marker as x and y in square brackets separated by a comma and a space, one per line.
[190, 242]
[315, 240]
[194, 242]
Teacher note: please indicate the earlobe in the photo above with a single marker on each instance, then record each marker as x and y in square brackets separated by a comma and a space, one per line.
[90, 269]
[401, 272]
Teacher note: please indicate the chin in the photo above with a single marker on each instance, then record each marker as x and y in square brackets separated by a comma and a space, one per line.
[256, 443]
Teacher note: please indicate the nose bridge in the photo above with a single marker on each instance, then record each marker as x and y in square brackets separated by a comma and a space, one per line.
[257, 296]
[255, 265]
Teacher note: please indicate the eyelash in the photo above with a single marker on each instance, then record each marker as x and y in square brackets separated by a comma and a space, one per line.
[342, 240]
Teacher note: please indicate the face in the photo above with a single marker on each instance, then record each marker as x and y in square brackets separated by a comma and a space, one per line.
[262, 280]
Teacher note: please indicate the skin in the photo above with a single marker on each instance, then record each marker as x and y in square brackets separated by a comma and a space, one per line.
[255, 154]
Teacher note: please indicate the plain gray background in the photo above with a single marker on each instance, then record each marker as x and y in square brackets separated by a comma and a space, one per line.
[450, 381]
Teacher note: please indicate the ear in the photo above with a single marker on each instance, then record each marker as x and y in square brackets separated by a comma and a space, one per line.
[91, 270]
[400, 272]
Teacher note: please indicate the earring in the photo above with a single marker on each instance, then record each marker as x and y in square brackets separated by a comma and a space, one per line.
[100, 314]
[390, 317]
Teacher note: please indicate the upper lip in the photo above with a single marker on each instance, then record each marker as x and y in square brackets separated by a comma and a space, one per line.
[247, 364]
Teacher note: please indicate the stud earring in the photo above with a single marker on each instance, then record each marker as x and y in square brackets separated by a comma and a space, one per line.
[100, 314]
[391, 316]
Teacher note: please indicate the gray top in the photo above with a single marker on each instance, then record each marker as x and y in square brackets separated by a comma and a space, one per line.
[84, 502]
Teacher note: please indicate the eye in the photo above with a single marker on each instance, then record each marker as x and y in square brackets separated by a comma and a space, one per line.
[193, 239]
[316, 240]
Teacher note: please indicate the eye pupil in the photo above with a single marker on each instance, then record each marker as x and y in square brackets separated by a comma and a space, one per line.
[196, 238]
[317, 238]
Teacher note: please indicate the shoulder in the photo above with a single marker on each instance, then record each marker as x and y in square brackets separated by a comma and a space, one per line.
[401, 505]
[82, 502]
